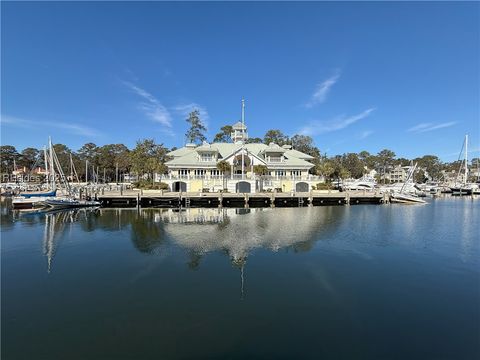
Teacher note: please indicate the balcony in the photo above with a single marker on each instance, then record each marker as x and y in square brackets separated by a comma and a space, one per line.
[306, 177]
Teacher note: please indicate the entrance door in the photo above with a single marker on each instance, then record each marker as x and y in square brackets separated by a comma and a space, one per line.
[243, 187]
[179, 186]
[301, 187]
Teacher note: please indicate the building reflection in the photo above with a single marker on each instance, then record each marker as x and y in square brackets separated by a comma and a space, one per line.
[197, 231]
[239, 231]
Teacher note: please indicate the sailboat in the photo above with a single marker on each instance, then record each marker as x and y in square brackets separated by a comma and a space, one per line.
[404, 197]
[49, 199]
[476, 189]
[69, 201]
[463, 188]
[29, 200]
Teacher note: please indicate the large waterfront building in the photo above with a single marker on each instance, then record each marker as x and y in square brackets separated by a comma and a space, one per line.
[193, 168]
[398, 174]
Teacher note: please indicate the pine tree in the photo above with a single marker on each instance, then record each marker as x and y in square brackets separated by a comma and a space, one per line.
[195, 134]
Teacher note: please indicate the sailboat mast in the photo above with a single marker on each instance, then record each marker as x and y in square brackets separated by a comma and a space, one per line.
[243, 138]
[86, 171]
[52, 168]
[46, 166]
[71, 167]
[466, 159]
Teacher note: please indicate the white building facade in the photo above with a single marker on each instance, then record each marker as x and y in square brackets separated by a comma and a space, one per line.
[194, 168]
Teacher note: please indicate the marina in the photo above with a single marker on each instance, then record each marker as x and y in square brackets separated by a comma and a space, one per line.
[235, 280]
[240, 180]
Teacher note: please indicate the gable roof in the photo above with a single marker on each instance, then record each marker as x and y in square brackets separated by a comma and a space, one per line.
[188, 156]
[180, 152]
[298, 154]
[238, 126]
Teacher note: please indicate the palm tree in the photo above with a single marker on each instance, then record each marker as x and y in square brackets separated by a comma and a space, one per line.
[260, 170]
[224, 167]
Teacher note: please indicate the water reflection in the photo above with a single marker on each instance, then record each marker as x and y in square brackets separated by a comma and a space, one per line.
[237, 232]
[56, 224]
[233, 232]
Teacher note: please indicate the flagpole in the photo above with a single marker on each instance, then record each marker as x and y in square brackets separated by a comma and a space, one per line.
[243, 138]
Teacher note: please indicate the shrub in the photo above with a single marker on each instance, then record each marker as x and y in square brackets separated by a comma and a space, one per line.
[323, 186]
[147, 185]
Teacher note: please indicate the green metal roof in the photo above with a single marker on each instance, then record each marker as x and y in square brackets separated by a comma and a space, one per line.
[188, 157]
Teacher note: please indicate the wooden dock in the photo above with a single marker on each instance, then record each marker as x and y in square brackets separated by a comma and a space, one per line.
[134, 198]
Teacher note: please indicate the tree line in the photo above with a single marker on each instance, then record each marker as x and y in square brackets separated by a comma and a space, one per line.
[149, 157]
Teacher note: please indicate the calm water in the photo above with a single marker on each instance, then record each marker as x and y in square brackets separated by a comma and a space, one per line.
[358, 282]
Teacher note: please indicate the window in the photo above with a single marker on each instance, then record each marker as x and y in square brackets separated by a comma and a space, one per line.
[295, 173]
[275, 158]
[204, 157]
[199, 172]
[215, 172]
[183, 172]
[280, 173]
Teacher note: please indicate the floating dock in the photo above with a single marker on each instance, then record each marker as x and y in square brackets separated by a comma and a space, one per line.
[237, 200]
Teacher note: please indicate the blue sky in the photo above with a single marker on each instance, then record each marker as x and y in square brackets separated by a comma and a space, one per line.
[354, 76]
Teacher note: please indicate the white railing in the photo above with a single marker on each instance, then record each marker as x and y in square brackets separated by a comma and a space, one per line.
[275, 160]
[240, 177]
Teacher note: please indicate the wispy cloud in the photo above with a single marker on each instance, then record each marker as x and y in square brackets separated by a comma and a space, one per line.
[150, 106]
[321, 91]
[365, 134]
[185, 109]
[338, 123]
[424, 127]
[75, 129]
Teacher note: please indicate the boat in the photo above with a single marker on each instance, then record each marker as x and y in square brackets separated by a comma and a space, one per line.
[406, 198]
[49, 198]
[408, 187]
[364, 183]
[463, 188]
[29, 195]
[68, 203]
[30, 200]
[20, 202]
[407, 192]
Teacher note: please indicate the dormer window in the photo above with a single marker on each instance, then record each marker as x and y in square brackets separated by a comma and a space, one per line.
[206, 157]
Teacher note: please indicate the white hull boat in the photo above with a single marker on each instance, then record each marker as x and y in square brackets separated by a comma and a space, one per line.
[20, 202]
[406, 199]
[364, 183]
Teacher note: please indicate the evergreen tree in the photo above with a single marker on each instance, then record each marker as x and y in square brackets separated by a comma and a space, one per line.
[195, 134]
[8, 153]
[224, 134]
[148, 158]
[275, 136]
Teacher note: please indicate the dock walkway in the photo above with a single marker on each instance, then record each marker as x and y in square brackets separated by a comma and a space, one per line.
[149, 198]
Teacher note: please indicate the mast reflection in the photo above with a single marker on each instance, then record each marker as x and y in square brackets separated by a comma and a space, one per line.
[56, 223]
[199, 231]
